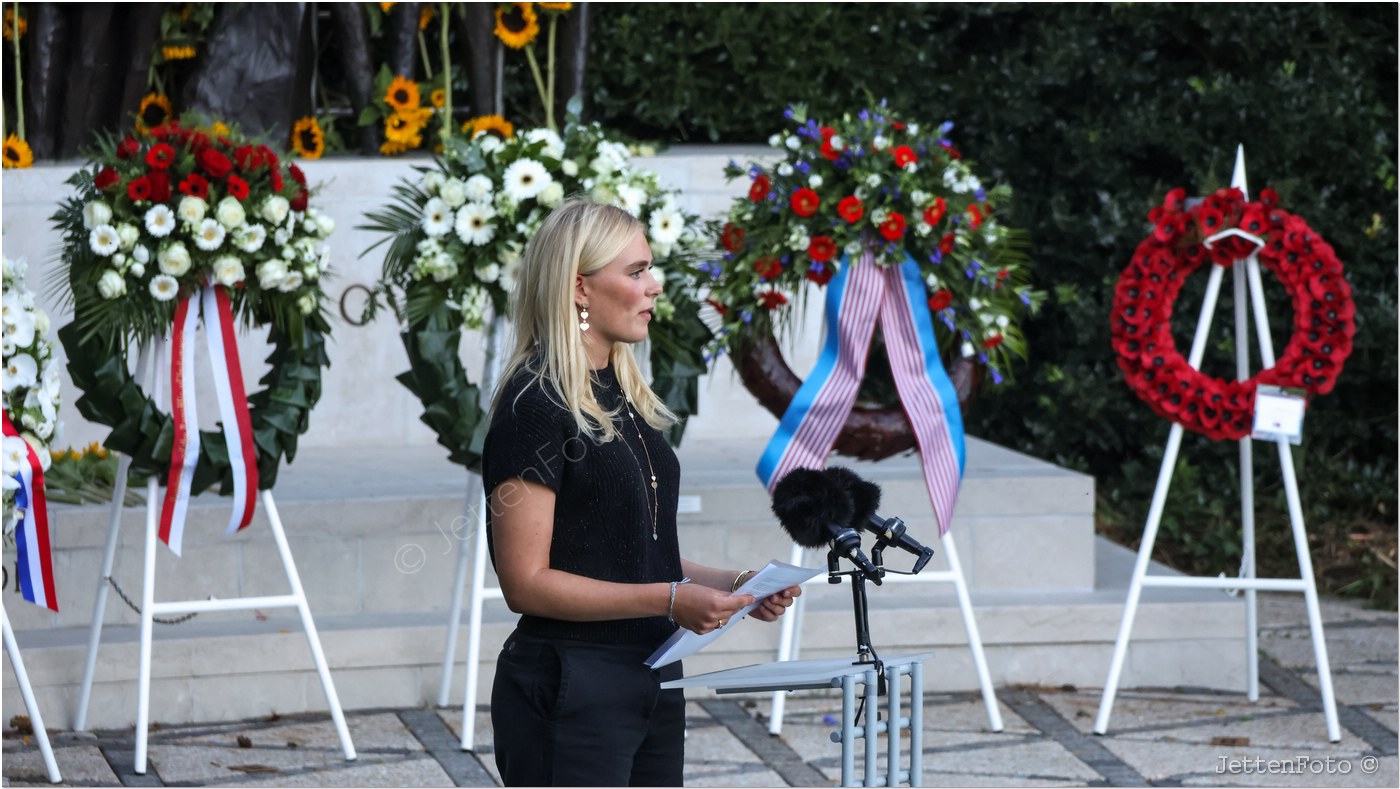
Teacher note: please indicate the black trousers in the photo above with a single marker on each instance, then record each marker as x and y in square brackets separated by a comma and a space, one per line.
[571, 713]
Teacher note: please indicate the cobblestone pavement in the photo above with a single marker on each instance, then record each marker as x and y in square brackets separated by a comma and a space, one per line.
[1157, 737]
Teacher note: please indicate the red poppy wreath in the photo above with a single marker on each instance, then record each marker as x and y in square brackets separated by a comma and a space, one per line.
[1323, 325]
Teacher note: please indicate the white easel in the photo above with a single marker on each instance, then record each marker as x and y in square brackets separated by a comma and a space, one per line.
[36, 721]
[1254, 291]
[790, 638]
[476, 512]
[150, 608]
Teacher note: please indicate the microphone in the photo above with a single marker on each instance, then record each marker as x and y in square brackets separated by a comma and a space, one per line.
[814, 512]
[865, 500]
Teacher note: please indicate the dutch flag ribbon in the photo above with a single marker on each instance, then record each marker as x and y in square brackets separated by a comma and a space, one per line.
[33, 550]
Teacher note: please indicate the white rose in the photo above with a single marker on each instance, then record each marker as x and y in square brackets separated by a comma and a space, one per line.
[552, 195]
[138, 270]
[228, 270]
[324, 224]
[489, 273]
[968, 350]
[230, 213]
[271, 273]
[174, 259]
[140, 254]
[879, 143]
[815, 181]
[290, 282]
[489, 143]
[784, 169]
[275, 208]
[307, 303]
[479, 188]
[453, 192]
[129, 235]
[432, 181]
[192, 209]
[111, 285]
[793, 143]
[96, 213]
[776, 141]
[570, 167]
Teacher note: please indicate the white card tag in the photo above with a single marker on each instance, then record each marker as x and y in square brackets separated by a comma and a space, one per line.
[1278, 414]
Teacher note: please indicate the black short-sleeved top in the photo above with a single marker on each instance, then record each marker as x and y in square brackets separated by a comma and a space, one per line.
[603, 504]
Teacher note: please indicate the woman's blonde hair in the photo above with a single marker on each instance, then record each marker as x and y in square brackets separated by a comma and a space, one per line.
[578, 237]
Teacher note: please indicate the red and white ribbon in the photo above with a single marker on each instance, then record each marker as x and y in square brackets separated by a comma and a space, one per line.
[237, 425]
[34, 556]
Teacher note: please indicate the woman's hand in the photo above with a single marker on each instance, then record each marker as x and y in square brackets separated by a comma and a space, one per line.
[703, 610]
[775, 604]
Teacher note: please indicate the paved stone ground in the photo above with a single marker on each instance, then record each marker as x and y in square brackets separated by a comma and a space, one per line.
[1157, 737]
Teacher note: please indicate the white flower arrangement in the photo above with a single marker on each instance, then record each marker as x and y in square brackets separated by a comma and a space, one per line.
[31, 385]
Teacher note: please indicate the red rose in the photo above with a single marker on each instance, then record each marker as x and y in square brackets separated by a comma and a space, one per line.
[822, 249]
[772, 299]
[106, 177]
[297, 174]
[195, 185]
[899, 126]
[904, 155]
[732, 237]
[805, 202]
[992, 341]
[128, 148]
[976, 214]
[160, 186]
[768, 268]
[851, 209]
[945, 244]
[893, 226]
[952, 152]
[238, 187]
[820, 273]
[934, 213]
[828, 150]
[160, 156]
[139, 189]
[269, 157]
[215, 163]
[940, 300]
[275, 176]
[298, 203]
[198, 141]
[247, 157]
[760, 187]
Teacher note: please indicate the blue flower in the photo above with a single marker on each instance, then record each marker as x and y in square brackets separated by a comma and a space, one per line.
[1026, 300]
[745, 315]
[980, 194]
[996, 376]
[936, 256]
[803, 167]
[755, 171]
[945, 127]
[982, 357]
[864, 116]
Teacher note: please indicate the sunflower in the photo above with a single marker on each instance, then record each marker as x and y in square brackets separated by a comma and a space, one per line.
[386, 6]
[308, 141]
[438, 98]
[402, 94]
[155, 111]
[17, 153]
[406, 126]
[391, 148]
[517, 25]
[177, 53]
[219, 129]
[10, 25]
[556, 7]
[489, 123]
[424, 17]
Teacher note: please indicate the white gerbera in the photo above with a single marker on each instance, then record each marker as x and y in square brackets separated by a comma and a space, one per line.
[228, 270]
[479, 189]
[192, 209]
[290, 282]
[473, 224]
[104, 240]
[250, 238]
[666, 225]
[525, 179]
[160, 221]
[174, 259]
[164, 287]
[631, 199]
[111, 285]
[437, 218]
[209, 235]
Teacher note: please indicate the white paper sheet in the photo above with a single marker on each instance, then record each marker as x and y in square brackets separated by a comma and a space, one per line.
[776, 577]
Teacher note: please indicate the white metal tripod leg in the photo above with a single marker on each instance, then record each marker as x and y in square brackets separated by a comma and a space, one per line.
[479, 594]
[148, 592]
[36, 720]
[312, 639]
[787, 647]
[974, 638]
[99, 607]
[1247, 570]
[454, 616]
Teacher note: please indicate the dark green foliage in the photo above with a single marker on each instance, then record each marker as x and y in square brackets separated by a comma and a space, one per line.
[1092, 112]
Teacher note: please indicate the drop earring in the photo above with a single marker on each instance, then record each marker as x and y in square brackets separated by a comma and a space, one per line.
[583, 318]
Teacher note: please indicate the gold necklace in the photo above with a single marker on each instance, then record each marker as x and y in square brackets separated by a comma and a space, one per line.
[655, 497]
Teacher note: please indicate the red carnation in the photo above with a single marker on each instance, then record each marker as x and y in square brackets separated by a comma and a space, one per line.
[269, 157]
[275, 176]
[820, 273]
[821, 249]
[952, 152]
[297, 174]
[940, 300]
[128, 148]
[828, 150]
[106, 177]
[992, 341]
[851, 209]
[160, 156]
[760, 187]
[945, 244]
[805, 202]
[198, 141]
[732, 237]
[893, 226]
[772, 299]
[195, 185]
[160, 186]
[934, 213]
[298, 203]
[247, 157]
[139, 189]
[768, 268]
[215, 163]
[904, 155]
[976, 214]
[238, 187]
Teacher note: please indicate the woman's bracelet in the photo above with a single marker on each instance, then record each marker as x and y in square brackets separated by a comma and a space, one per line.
[734, 587]
[671, 606]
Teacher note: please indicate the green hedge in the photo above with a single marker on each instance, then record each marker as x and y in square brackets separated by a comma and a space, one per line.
[1092, 112]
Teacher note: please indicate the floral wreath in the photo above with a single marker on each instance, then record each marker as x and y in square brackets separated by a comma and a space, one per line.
[1180, 242]
[874, 181]
[31, 389]
[455, 242]
[159, 215]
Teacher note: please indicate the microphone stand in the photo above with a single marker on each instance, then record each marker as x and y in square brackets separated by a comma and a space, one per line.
[865, 655]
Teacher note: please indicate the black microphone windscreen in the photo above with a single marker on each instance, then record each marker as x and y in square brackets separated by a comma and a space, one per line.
[806, 502]
[865, 496]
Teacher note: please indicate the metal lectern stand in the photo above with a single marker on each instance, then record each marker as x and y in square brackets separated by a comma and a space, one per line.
[844, 674]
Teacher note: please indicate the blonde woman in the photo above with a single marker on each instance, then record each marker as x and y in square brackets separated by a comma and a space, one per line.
[582, 490]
